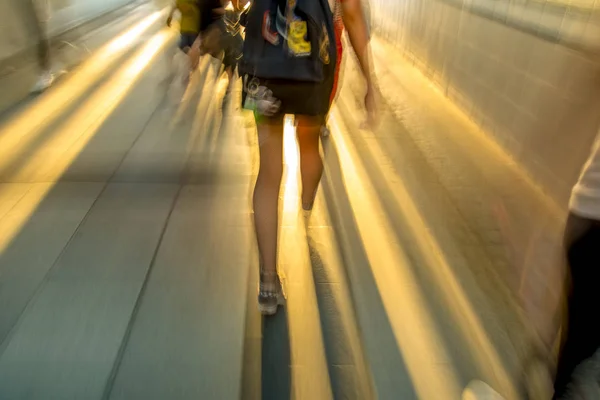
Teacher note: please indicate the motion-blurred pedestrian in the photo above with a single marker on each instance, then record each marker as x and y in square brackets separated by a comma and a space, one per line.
[40, 13]
[233, 41]
[189, 24]
[210, 31]
[339, 31]
[581, 332]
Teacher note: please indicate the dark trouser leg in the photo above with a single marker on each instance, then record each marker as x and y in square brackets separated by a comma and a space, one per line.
[44, 54]
[582, 331]
[41, 30]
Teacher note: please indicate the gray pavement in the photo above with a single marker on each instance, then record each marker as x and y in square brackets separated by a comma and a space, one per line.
[119, 257]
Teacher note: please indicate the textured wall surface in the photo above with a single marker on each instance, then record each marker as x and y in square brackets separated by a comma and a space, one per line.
[526, 74]
[17, 33]
[522, 70]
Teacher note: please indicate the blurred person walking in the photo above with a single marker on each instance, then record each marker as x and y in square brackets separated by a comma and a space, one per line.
[339, 32]
[581, 332]
[210, 31]
[189, 25]
[288, 64]
[233, 41]
[578, 368]
[338, 23]
[40, 12]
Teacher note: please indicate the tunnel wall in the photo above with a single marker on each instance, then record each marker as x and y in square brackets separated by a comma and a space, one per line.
[521, 70]
[17, 33]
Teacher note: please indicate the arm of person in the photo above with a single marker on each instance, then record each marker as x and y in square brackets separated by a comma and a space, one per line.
[355, 24]
[358, 33]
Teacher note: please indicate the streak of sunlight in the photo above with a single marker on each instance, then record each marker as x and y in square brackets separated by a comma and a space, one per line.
[21, 131]
[292, 164]
[86, 121]
[310, 375]
[420, 343]
[469, 131]
[459, 304]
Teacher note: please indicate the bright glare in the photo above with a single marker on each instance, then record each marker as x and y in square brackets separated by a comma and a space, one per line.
[292, 164]
[86, 121]
[413, 326]
[19, 133]
[306, 337]
[125, 39]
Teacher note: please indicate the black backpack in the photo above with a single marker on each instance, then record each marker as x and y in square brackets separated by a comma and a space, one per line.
[307, 54]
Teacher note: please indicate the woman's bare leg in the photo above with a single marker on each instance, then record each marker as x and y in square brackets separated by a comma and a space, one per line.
[266, 204]
[311, 165]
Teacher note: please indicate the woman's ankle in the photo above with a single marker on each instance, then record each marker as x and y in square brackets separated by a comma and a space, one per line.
[268, 273]
[307, 204]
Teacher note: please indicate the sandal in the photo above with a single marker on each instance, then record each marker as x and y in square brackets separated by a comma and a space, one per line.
[270, 293]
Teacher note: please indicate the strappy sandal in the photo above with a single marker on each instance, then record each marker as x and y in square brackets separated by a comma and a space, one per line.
[270, 293]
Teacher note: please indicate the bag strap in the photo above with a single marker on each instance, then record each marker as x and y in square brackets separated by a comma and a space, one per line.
[337, 11]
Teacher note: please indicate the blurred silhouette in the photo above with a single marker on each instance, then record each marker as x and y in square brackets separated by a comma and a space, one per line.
[40, 13]
[210, 31]
[189, 25]
[233, 41]
[339, 30]
[581, 331]
[577, 373]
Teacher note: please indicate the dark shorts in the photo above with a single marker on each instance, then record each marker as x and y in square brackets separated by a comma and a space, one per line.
[298, 98]
[186, 40]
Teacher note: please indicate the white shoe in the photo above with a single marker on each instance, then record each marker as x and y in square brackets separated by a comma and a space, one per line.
[478, 390]
[44, 82]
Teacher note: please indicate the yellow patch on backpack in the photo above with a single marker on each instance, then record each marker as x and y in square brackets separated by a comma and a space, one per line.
[297, 42]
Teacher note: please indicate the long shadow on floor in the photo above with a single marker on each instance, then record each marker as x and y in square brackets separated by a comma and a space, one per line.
[383, 356]
[276, 358]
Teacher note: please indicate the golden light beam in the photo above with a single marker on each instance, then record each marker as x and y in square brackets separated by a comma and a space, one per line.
[427, 360]
[87, 120]
[310, 375]
[458, 303]
[21, 131]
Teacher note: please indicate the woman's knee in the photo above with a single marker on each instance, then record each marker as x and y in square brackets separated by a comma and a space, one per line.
[308, 132]
[270, 142]
[308, 122]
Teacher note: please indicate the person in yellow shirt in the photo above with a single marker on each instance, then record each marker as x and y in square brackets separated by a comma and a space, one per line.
[189, 24]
